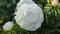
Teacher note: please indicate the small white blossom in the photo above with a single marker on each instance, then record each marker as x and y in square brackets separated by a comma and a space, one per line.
[29, 15]
[8, 26]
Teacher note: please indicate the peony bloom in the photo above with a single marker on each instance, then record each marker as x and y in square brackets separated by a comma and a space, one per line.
[55, 2]
[29, 15]
[8, 26]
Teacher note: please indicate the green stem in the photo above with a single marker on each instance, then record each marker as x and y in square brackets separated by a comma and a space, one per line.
[46, 18]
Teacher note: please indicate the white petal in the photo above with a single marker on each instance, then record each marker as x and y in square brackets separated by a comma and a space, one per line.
[29, 16]
[8, 26]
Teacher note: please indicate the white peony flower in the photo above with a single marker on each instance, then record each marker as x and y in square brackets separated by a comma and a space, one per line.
[8, 26]
[29, 15]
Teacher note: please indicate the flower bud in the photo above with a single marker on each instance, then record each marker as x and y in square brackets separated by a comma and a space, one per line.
[55, 2]
[8, 26]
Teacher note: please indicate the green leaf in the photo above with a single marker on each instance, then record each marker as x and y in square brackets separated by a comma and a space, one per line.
[16, 27]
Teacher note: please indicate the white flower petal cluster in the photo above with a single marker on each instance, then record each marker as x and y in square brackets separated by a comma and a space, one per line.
[29, 15]
[8, 26]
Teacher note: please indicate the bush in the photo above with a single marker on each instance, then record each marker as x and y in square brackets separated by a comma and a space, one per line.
[51, 24]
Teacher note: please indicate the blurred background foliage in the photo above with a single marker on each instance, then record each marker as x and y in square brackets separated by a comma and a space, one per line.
[51, 24]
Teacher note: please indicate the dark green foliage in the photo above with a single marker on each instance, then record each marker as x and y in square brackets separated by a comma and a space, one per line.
[7, 9]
